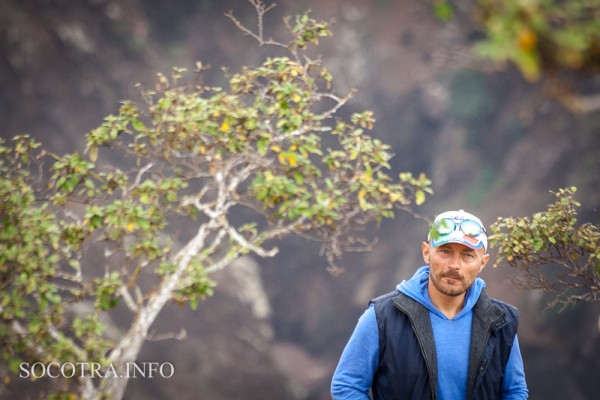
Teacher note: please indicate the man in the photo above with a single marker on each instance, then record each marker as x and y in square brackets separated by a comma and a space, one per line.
[438, 335]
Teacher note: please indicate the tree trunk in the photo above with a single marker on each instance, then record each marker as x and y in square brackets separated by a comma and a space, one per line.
[128, 348]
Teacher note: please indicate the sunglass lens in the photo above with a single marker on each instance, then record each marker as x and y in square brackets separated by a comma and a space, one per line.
[444, 226]
[470, 228]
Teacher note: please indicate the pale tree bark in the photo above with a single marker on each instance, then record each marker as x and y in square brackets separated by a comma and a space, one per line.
[128, 348]
[208, 239]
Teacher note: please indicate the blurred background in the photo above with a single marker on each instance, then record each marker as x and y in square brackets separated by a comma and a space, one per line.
[494, 137]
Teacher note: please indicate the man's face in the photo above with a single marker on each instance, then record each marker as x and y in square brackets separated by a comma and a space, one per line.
[453, 267]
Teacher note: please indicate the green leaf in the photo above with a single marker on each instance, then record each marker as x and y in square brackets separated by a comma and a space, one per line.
[70, 183]
[419, 197]
[138, 125]
[94, 153]
[171, 196]
[443, 10]
[299, 178]
[250, 124]
[262, 146]
[145, 198]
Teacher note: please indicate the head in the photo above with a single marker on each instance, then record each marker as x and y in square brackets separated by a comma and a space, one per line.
[456, 251]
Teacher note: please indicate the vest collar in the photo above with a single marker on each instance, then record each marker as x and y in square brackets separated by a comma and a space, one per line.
[487, 316]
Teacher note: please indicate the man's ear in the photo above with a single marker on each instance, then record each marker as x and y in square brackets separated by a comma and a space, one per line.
[425, 250]
[484, 261]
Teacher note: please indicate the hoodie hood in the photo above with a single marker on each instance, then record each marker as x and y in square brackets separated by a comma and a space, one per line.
[416, 288]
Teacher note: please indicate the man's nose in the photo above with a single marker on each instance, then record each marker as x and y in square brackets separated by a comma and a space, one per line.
[454, 261]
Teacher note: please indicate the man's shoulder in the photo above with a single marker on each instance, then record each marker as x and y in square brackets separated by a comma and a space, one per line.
[395, 300]
[505, 306]
[384, 298]
[501, 308]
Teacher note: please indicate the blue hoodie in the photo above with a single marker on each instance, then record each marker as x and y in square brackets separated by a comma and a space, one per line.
[354, 374]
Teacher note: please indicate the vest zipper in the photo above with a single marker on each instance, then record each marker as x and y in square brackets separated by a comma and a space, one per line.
[482, 362]
[432, 384]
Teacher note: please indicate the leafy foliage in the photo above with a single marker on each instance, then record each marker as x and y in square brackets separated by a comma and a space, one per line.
[535, 35]
[539, 35]
[551, 252]
[263, 158]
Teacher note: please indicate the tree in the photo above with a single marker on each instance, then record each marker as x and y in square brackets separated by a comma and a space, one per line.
[264, 158]
[535, 35]
[539, 37]
[551, 252]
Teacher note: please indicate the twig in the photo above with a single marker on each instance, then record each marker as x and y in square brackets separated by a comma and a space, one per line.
[154, 337]
[261, 9]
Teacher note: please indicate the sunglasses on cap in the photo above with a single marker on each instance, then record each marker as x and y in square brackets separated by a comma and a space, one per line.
[469, 227]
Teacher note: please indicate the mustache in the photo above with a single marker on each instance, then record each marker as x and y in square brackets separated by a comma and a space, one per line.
[451, 274]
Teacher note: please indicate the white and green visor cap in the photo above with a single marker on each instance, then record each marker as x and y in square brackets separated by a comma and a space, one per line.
[458, 227]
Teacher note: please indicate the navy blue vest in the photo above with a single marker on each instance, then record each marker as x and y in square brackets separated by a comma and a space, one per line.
[407, 357]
